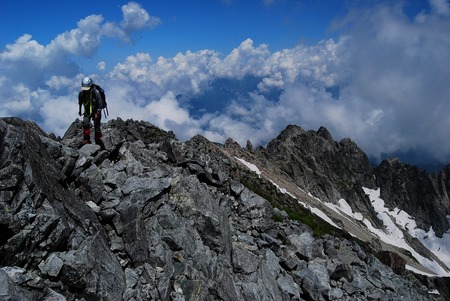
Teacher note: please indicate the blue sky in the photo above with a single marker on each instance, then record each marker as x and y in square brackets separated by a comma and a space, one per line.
[374, 71]
[183, 25]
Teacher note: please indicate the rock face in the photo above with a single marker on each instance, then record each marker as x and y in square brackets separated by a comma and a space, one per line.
[408, 186]
[330, 170]
[151, 218]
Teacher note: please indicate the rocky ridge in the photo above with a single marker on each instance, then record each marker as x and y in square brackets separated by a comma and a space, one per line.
[151, 218]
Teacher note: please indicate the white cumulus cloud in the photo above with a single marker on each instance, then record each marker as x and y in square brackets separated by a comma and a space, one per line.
[135, 17]
[383, 83]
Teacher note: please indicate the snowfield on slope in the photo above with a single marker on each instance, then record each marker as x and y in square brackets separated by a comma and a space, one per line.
[392, 220]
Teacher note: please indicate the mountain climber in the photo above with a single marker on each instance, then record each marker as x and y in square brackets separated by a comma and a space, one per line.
[91, 99]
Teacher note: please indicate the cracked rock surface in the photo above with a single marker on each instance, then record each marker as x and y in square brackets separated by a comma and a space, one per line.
[152, 218]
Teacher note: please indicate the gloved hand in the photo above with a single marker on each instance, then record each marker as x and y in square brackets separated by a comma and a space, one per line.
[79, 113]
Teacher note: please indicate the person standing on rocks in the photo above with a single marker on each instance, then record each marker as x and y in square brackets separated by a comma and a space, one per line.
[91, 99]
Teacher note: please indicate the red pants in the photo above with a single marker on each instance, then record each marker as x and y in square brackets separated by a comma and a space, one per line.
[87, 128]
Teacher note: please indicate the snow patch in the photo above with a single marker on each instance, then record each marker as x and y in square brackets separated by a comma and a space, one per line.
[394, 236]
[344, 207]
[394, 221]
[282, 190]
[250, 166]
[323, 216]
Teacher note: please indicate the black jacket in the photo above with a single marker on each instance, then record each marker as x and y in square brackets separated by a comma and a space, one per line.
[91, 100]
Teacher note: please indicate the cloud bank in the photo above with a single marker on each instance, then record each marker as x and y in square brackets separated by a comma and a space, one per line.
[383, 83]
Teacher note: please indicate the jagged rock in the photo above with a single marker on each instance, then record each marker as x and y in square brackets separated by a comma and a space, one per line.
[304, 246]
[10, 290]
[151, 218]
[249, 146]
[329, 170]
[52, 265]
[408, 186]
[393, 260]
[230, 143]
[342, 271]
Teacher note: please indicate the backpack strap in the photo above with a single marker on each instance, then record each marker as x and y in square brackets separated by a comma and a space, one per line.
[88, 105]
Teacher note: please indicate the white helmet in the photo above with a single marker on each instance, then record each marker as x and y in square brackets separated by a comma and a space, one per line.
[86, 83]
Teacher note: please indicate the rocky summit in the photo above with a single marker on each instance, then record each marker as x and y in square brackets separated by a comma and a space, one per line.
[148, 217]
